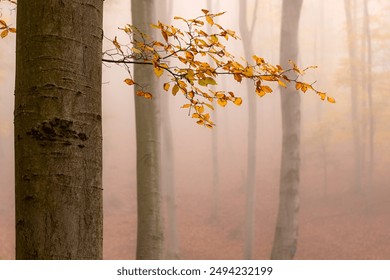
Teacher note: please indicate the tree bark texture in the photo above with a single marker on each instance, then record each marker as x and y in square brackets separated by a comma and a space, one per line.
[286, 234]
[58, 130]
[147, 113]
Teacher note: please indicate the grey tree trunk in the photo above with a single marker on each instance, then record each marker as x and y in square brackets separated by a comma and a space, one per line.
[352, 46]
[286, 233]
[247, 35]
[58, 130]
[147, 114]
[172, 250]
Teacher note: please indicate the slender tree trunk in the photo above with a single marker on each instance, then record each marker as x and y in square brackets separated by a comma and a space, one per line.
[247, 33]
[147, 114]
[354, 96]
[167, 157]
[214, 148]
[368, 78]
[286, 234]
[58, 130]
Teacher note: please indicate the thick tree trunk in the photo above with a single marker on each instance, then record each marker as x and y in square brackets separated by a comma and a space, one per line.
[149, 227]
[286, 234]
[58, 130]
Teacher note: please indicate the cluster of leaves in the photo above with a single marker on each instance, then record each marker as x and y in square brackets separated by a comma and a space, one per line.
[194, 59]
[6, 29]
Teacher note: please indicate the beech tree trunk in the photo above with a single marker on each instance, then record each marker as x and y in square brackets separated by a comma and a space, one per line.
[247, 33]
[58, 130]
[286, 234]
[147, 114]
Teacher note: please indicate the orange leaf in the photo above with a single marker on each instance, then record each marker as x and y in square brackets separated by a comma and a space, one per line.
[130, 82]
[4, 33]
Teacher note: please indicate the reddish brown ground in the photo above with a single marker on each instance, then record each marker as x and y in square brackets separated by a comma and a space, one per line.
[341, 225]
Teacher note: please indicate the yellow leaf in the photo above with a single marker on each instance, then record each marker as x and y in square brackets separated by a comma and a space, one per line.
[260, 92]
[266, 89]
[158, 71]
[268, 78]
[12, 30]
[281, 83]
[237, 101]
[148, 95]
[116, 44]
[214, 39]
[200, 122]
[209, 20]
[130, 82]
[331, 99]
[298, 85]
[189, 55]
[175, 89]
[135, 50]
[322, 95]
[4, 33]
[222, 102]
[166, 86]
[195, 116]
[186, 106]
[238, 77]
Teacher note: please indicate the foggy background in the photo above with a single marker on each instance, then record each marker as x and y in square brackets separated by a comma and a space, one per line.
[336, 221]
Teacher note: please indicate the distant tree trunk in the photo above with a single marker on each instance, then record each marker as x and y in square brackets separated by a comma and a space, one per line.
[247, 35]
[58, 130]
[368, 78]
[354, 96]
[147, 114]
[167, 169]
[214, 149]
[286, 234]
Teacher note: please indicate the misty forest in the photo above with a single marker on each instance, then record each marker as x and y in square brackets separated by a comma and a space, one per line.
[167, 129]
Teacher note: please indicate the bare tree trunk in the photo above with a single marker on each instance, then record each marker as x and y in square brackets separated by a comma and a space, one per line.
[214, 149]
[167, 169]
[286, 234]
[147, 114]
[354, 98]
[371, 131]
[58, 130]
[247, 33]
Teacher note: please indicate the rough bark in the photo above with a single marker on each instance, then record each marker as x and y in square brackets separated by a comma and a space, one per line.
[149, 226]
[286, 233]
[247, 33]
[58, 130]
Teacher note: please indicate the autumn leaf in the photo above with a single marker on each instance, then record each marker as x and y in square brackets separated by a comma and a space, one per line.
[130, 82]
[237, 101]
[210, 20]
[331, 99]
[158, 71]
[175, 89]
[166, 86]
[222, 102]
[4, 33]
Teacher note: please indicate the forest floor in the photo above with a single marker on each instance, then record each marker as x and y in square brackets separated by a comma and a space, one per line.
[339, 225]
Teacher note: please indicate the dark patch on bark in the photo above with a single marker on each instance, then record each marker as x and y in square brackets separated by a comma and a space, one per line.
[57, 129]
